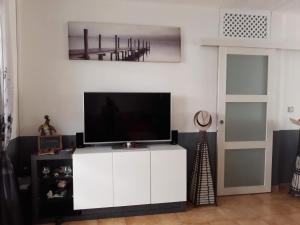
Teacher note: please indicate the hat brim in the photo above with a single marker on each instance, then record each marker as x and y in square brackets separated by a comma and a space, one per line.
[201, 126]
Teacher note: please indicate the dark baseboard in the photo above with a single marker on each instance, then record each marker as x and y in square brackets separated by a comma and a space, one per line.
[134, 210]
[113, 212]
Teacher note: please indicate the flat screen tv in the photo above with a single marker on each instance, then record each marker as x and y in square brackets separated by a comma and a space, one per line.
[126, 117]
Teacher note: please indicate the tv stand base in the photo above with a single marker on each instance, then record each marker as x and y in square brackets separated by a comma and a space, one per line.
[129, 145]
[137, 210]
[124, 211]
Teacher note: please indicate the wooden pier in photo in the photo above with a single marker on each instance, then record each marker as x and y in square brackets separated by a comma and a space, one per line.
[134, 51]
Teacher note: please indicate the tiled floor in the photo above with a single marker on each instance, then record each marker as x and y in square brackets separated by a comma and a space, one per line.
[277, 208]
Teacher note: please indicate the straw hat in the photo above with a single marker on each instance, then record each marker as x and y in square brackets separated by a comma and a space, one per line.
[202, 120]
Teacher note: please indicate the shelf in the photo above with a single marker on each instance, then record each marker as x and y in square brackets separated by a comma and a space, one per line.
[266, 44]
[56, 200]
[55, 178]
[55, 207]
[59, 156]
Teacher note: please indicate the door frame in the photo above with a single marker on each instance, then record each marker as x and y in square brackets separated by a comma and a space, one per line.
[222, 99]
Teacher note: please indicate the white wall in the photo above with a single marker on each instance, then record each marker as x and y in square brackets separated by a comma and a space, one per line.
[290, 73]
[290, 88]
[51, 84]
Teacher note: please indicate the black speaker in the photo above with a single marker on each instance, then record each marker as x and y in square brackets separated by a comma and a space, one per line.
[79, 140]
[174, 140]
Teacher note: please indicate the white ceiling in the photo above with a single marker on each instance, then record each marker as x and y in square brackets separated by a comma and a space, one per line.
[284, 6]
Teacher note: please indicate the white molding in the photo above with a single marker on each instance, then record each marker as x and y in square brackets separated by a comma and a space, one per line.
[221, 117]
[245, 190]
[265, 44]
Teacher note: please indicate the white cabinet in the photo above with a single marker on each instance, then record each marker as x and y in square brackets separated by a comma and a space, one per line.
[131, 171]
[92, 180]
[168, 175]
[103, 177]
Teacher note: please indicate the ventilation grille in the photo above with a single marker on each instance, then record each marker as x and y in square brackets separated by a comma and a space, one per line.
[243, 25]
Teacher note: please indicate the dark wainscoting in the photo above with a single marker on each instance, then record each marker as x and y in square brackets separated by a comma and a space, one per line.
[284, 152]
[189, 141]
[287, 145]
[13, 151]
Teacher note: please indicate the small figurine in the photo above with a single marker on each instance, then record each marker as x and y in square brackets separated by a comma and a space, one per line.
[61, 184]
[56, 194]
[50, 194]
[55, 174]
[46, 128]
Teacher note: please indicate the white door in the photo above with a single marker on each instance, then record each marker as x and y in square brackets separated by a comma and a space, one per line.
[245, 120]
[168, 175]
[92, 180]
[131, 177]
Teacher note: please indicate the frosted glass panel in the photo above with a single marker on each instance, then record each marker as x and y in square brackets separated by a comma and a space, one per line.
[247, 75]
[245, 121]
[244, 167]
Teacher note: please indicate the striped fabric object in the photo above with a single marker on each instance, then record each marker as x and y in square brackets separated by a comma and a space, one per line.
[202, 190]
[295, 184]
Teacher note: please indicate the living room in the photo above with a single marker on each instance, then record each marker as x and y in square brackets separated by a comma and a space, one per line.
[44, 79]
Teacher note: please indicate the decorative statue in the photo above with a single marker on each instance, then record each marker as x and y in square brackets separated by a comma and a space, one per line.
[46, 129]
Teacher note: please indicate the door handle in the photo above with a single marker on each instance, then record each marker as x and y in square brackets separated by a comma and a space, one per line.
[221, 121]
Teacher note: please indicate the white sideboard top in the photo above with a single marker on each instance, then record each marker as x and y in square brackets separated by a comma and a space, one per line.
[106, 149]
[165, 147]
[92, 150]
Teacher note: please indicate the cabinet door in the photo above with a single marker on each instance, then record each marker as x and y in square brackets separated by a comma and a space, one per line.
[168, 176]
[93, 183]
[131, 178]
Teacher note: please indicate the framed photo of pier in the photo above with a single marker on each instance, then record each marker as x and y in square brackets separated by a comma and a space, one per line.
[122, 42]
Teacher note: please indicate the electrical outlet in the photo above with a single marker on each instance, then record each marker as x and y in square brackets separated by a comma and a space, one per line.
[291, 109]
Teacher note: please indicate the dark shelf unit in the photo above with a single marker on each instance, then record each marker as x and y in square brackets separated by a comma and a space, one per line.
[61, 209]
[54, 209]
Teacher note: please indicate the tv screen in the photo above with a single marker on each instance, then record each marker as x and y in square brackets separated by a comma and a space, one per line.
[126, 117]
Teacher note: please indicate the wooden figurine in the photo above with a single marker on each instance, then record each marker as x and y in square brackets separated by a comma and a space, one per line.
[46, 129]
[48, 141]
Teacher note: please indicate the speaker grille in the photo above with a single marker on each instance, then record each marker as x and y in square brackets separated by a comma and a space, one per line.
[244, 25]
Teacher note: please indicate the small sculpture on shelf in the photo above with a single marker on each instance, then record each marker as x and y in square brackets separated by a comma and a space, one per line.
[46, 171]
[48, 142]
[46, 128]
[68, 171]
[63, 171]
[59, 191]
[62, 184]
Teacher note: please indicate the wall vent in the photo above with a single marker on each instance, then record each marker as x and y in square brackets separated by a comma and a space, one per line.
[245, 24]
